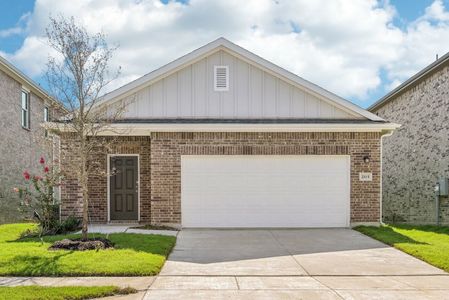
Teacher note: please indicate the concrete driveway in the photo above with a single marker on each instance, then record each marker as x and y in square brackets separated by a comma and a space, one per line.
[293, 264]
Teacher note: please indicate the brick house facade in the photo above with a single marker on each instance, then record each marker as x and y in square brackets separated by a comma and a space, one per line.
[259, 111]
[160, 176]
[20, 147]
[417, 154]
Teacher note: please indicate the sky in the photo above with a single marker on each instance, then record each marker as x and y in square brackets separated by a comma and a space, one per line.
[358, 49]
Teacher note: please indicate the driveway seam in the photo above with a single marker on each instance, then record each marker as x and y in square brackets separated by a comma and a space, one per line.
[285, 248]
[304, 275]
[334, 291]
[237, 283]
[338, 294]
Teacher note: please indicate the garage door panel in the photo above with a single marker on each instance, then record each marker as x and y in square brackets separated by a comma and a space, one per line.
[265, 191]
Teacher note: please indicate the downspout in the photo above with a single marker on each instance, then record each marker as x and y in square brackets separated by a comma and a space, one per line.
[437, 203]
[384, 134]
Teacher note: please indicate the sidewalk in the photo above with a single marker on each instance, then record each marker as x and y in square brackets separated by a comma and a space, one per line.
[430, 287]
[139, 283]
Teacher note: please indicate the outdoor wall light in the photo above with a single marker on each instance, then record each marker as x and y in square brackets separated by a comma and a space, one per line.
[366, 159]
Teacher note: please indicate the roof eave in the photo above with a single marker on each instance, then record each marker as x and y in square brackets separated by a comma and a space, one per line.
[16, 74]
[133, 129]
[436, 65]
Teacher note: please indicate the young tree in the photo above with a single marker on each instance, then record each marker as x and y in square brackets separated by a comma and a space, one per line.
[77, 76]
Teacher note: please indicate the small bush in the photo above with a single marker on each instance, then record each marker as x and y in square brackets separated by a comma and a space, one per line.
[38, 196]
[69, 225]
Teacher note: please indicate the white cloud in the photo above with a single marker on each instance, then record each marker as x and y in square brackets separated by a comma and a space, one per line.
[341, 45]
[17, 29]
[10, 31]
[423, 40]
[32, 56]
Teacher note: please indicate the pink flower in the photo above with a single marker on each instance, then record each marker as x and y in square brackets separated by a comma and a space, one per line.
[16, 190]
[37, 178]
[26, 175]
[46, 169]
[42, 160]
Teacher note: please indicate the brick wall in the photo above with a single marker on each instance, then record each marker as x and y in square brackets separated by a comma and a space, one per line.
[98, 205]
[417, 154]
[161, 167]
[20, 148]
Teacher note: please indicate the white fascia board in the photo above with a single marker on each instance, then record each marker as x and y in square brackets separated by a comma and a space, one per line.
[224, 44]
[147, 129]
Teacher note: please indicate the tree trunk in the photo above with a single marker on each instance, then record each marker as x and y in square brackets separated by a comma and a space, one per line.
[84, 187]
[85, 208]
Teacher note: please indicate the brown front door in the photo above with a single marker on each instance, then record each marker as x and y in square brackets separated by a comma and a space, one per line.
[124, 188]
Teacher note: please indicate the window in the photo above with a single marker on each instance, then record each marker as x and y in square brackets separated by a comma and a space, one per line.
[46, 119]
[221, 78]
[46, 115]
[25, 110]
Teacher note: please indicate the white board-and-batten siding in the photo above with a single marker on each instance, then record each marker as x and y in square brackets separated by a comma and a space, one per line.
[253, 93]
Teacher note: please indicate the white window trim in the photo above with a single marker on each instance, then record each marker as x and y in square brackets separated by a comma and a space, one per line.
[46, 114]
[27, 110]
[220, 89]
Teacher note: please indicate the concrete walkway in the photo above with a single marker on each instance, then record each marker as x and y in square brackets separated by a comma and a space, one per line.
[125, 228]
[278, 264]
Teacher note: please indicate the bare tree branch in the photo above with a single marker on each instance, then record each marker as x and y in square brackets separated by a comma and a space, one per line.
[78, 76]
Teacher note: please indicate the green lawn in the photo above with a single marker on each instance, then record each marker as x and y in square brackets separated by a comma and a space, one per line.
[134, 254]
[428, 243]
[60, 293]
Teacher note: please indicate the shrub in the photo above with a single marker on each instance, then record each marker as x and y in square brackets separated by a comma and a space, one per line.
[38, 196]
[69, 225]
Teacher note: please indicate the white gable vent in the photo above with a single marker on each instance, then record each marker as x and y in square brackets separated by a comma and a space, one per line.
[221, 78]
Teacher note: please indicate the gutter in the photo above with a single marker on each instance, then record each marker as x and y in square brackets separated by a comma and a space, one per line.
[386, 134]
[145, 129]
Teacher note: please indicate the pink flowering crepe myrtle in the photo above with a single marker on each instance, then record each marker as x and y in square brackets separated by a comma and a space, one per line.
[38, 193]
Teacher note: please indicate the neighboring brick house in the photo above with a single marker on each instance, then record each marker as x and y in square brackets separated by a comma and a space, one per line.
[223, 138]
[417, 154]
[23, 107]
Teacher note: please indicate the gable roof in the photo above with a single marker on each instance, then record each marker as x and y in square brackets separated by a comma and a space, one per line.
[19, 76]
[224, 44]
[411, 82]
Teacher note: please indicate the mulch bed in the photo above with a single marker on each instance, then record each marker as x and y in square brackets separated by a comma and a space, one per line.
[155, 227]
[82, 245]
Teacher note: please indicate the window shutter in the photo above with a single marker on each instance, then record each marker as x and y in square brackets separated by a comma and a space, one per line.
[221, 78]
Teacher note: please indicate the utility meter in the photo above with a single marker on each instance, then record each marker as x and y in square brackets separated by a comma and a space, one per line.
[443, 187]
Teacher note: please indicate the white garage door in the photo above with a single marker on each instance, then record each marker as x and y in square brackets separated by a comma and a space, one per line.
[265, 191]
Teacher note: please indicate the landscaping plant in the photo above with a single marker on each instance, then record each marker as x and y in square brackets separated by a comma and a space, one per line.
[77, 76]
[38, 197]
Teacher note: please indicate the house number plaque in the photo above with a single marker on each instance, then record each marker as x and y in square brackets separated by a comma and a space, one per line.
[366, 176]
